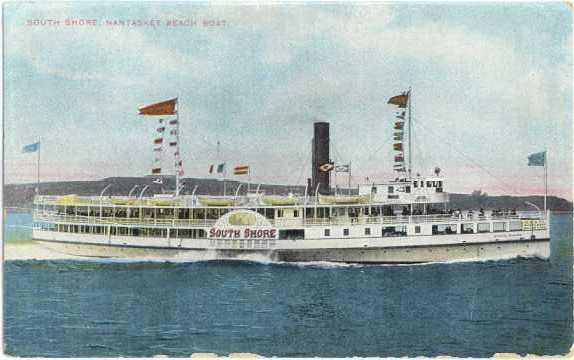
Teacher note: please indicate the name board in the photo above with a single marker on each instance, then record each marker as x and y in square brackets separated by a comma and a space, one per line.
[533, 225]
[244, 233]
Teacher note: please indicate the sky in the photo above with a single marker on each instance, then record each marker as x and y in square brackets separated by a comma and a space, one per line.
[491, 84]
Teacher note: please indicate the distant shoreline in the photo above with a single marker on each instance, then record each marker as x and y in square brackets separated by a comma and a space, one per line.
[21, 195]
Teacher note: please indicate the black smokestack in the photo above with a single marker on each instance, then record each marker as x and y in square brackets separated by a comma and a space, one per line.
[320, 157]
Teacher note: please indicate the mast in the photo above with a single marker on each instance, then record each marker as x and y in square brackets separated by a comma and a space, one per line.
[349, 185]
[410, 131]
[38, 169]
[176, 162]
[224, 167]
[545, 179]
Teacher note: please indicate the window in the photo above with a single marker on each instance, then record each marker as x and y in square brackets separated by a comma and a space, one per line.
[295, 213]
[391, 190]
[279, 213]
[346, 232]
[367, 231]
[417, 229]
[515, 226]
[498, 226]
[394, 231]
[416, 184]
[445, 229]
[184, 233]
[292, 234]
[429, 183]
[467, 229]
[483, 227]
[327, 232]
[374, 190]
[407, 189]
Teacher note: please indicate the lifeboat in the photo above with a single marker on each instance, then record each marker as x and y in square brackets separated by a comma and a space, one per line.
[279, 200]
[217, 201]
[342, 199]
[68, 199]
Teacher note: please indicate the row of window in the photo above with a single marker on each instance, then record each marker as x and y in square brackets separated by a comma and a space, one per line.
[149, 232]
[386, 231]
[125, 231]
[447, 229]
[442, 229]
[407, 188]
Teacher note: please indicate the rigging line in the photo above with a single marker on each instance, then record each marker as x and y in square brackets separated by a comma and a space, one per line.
[339, 157]
[423, 158]
[20, 226]
[17, 207]
[385, 143]
[472, 160]
[303, 166]
[504, 188]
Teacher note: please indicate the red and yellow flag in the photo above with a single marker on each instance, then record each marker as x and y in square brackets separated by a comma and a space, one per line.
[160, 108]
[241, 170]
[399, 100]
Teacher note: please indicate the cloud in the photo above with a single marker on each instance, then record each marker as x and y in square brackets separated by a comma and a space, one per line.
[103, 53]
[272, 69]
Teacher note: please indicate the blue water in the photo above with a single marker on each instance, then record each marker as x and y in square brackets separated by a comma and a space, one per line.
[80, 308]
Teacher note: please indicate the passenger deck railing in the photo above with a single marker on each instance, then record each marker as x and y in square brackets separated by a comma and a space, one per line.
[52, 217]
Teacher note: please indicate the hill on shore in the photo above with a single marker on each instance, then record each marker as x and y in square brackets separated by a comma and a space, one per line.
[21, 195]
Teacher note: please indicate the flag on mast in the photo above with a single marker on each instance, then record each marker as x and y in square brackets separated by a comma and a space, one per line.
[343, 168]
[31, 147]
[537, 159]
[241, 170]
[327, 167]
[160, 108]
[399, 100]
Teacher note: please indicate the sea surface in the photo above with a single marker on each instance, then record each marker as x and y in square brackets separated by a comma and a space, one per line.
[59, 307]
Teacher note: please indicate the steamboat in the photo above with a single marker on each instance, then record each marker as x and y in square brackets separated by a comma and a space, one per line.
[404, 220]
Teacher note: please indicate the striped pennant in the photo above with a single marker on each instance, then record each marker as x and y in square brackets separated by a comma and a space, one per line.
[241, 170]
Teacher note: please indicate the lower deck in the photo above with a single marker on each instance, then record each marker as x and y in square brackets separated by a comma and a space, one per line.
[398, 254]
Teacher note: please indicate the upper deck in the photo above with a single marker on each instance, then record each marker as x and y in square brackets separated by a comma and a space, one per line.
[399, 192]
[187, 211]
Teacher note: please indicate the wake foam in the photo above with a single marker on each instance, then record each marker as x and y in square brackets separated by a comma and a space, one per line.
[28, 250]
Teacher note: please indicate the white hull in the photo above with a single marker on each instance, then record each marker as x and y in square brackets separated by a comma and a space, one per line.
[410, 249]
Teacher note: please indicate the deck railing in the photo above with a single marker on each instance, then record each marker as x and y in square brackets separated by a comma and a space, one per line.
[51, 217]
